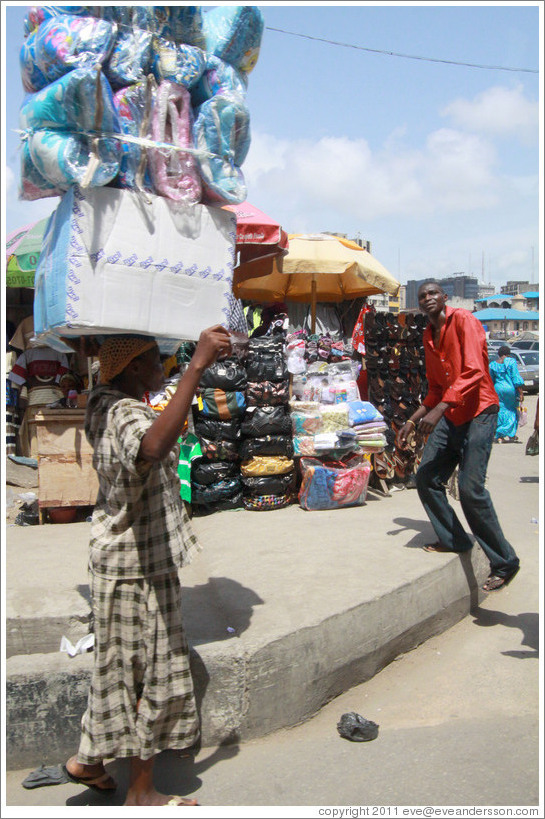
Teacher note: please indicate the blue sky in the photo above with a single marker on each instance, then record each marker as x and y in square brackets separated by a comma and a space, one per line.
[437, 165]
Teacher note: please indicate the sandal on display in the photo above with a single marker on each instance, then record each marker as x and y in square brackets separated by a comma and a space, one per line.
[495, 582]
[383, 466]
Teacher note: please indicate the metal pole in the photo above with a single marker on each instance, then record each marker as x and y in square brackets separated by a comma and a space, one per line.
[313, 306]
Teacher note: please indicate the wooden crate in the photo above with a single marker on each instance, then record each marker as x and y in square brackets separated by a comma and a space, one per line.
[66, 476]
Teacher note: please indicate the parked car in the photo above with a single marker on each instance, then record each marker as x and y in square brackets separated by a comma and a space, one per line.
[528, 365]
[525, 345]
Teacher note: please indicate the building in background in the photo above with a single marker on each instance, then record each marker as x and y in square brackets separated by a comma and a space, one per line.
[364, 243]
[485, 290]
[461, 289]
[513, 288]
[520, 301]
[411, 292]
[506, 323]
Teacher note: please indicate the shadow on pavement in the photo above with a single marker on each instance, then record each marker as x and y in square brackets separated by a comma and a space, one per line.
[220, 609]
[176, 772]
[423, 528]
[527, 622]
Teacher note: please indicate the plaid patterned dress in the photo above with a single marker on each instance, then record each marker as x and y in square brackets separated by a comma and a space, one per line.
[141, 699]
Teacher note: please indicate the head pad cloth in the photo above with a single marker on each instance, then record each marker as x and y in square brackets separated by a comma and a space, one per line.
[118, 351]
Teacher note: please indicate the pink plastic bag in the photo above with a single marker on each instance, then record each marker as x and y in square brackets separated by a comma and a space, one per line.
[173, 172]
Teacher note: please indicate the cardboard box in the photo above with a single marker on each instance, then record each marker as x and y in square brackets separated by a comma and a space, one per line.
[114, 261]
[66, 476]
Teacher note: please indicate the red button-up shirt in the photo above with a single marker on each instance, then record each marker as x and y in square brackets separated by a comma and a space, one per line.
[457, 368]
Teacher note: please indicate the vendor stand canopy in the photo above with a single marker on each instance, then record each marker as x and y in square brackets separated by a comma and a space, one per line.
[260, 240]
[317, 268]
[23, 248]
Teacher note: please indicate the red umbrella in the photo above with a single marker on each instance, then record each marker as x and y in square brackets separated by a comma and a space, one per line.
[260, 240]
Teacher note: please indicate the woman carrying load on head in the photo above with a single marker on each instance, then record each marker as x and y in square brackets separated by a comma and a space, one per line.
[508, 384]
[141, 699]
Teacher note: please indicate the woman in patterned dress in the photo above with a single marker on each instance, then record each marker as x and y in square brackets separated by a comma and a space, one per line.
[141, 699]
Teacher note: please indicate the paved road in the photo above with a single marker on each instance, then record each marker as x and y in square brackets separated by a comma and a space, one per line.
[458, 716]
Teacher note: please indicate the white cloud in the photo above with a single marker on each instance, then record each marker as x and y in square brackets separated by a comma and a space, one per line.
[457, 171]
[9, 178]
[499, 111]
[452, 171]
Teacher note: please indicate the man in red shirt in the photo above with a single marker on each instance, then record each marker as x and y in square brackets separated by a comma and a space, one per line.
[459, 413]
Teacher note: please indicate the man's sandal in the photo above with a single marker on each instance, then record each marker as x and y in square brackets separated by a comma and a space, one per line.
[495, 582]
[436, 547]
[103, 783]
[178, 801]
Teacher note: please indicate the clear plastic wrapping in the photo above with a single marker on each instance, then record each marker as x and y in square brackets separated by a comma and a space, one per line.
[234, 33]
[199, 104]
[174, 173]
[62, 43]
[222, 137]
[334, 484]
[58, 122]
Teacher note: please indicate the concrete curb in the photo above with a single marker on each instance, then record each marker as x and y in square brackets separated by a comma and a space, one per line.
[249, 687]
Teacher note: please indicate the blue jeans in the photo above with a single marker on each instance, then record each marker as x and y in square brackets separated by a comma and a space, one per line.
[467, 446]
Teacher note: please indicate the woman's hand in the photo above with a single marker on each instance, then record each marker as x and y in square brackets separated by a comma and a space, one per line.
[165, 430]
[214, 343]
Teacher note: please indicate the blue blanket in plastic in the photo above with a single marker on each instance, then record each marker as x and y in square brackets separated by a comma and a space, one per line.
[234, 33]
[218, 77]
[57, 124]
[222, 136]
[61, 44]
[180, 63]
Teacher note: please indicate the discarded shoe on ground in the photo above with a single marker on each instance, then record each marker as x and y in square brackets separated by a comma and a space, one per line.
[356, 728]
[45, 775]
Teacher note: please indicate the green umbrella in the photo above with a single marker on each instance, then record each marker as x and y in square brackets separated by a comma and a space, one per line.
[23, 248]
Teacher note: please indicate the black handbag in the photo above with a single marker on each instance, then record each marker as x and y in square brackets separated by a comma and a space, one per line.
[269, 367]
[267, 393]
[265, 345]
[268, 484]
[228, 375]
[216, 430]
[219, 450]
[235, 501]
[215, 491]
[260, 421]
[207, 472]
[267, 445]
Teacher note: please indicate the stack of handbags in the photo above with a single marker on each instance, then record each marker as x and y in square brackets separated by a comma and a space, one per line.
[217, 417]
[266, 450]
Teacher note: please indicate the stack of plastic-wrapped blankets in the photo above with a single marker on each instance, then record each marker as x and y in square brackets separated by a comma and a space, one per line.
[155, 95]
[136, 116]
